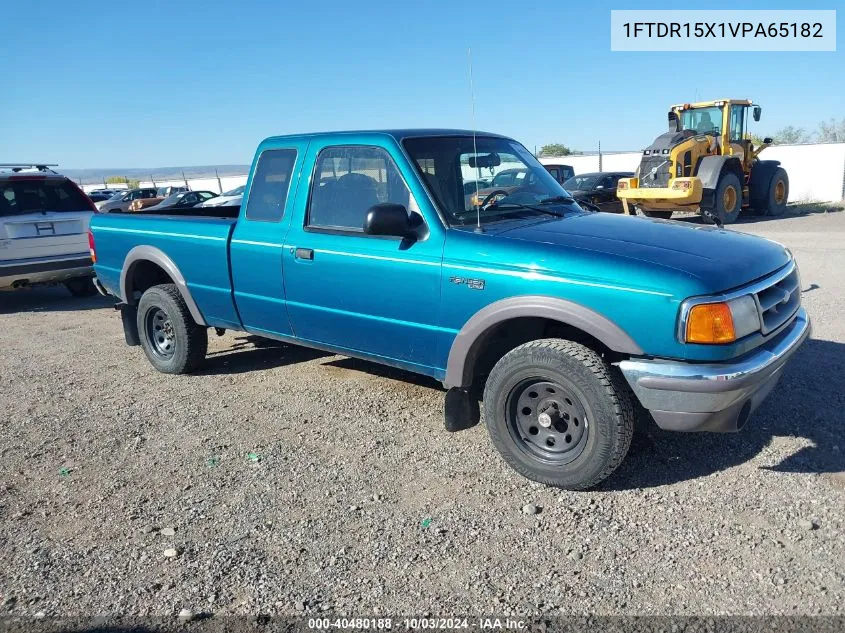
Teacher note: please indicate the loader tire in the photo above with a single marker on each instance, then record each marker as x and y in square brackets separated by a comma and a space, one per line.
[727, 200]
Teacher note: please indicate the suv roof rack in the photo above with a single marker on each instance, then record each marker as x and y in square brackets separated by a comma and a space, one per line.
[17, 167]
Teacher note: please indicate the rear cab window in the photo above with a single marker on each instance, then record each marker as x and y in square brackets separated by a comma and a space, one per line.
[270, 184]
[20, 195]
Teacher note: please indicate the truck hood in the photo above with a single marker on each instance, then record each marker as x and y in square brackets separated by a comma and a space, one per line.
[719, 259]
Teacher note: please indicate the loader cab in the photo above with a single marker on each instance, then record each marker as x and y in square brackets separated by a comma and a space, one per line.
[726, 121]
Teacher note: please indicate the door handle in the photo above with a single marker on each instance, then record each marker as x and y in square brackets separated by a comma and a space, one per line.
[304, 253]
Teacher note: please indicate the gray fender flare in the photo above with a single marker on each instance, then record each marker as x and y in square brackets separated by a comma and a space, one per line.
[156, 256]
[709, 170]
[470, 339]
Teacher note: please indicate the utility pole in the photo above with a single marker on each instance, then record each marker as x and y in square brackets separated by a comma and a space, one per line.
[600, 161]
[186, 180]
[220, 185]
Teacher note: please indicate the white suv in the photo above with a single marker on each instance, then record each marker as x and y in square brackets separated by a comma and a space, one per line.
[44, 230]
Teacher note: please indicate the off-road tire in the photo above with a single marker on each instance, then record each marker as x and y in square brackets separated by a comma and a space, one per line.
[660, 215]
[599, 389]
[81, 287]
[190, 341]
[776, 200]
[727, 181]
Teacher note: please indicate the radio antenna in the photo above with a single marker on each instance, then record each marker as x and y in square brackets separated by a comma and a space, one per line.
[478, 228]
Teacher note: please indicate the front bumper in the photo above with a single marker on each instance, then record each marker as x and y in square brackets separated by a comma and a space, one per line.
[663, 197]
[713, 396]
[25, 272]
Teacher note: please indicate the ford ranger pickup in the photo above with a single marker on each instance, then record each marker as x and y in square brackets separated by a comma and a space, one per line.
[559, 320]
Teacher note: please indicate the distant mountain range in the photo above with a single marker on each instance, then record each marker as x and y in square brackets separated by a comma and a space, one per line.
[96, 175]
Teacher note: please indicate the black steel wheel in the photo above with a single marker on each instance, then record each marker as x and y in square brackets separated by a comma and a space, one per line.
[159, 331]
[173, 342]
[559, 413]
[548, 420]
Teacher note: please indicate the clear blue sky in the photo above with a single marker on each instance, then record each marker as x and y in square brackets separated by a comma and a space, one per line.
[148, 84]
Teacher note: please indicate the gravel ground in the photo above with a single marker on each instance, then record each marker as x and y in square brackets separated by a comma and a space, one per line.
[284, 481]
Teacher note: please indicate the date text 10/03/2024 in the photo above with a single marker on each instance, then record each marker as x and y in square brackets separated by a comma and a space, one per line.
[417, 623]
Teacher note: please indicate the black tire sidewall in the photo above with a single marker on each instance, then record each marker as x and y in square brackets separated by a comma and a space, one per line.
[158, 298]
[728, 178]
[549, 364]
[773, 208]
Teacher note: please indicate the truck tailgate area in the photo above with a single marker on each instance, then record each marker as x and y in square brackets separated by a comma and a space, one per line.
[198, 246]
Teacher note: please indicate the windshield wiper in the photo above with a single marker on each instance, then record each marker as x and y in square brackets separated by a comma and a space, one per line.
[514, 205]
[558, 200]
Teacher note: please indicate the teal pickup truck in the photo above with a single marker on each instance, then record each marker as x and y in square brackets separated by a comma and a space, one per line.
[366, 244]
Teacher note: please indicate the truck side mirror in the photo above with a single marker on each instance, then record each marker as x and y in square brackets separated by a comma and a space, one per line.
[768, 140]
[756, 112]
[390, 219]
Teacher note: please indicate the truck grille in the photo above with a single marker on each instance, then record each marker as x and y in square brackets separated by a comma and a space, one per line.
[779, 301]
[654, 171]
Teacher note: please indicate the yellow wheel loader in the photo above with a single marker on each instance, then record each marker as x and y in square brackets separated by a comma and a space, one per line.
[705, 163]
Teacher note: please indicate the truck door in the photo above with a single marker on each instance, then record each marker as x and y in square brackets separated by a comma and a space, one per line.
[259, 235]
[351, 291]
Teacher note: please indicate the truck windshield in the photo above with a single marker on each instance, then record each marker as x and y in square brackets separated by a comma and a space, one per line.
[449, 166]
[703, 120]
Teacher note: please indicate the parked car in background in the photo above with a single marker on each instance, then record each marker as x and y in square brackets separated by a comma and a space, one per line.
[598, 189]
[44, 220]
[183, 200]
[561, 172]
[227, 198]
[161, 194]
[105, 192]
[472, 186]
[169, 190]
[502, 184]
[98, 197]
[121, 201]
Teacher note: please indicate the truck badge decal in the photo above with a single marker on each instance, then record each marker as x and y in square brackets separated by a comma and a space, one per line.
[473, 284]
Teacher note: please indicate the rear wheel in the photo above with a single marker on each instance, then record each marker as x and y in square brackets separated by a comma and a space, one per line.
[778, 193]
[558, 413]
[727, 200]
[81, 287]
[171, 339]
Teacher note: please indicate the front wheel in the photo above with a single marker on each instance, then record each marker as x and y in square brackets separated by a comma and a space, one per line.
[558, 413]
[727, 200]
[171, 339]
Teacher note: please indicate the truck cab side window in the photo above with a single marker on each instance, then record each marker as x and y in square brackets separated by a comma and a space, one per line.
[348, 181]
[270, 183]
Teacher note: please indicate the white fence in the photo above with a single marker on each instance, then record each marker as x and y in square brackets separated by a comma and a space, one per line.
[816, 172]
[196, 184]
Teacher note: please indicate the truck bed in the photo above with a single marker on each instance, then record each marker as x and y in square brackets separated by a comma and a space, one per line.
[197, 245]
[228, 212]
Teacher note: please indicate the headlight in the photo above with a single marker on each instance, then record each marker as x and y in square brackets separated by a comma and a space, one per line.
[722, 322]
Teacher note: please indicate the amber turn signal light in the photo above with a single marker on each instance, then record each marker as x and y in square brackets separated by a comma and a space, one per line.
[710, 323]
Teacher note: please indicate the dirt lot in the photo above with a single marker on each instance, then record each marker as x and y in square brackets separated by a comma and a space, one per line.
[288, 481]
